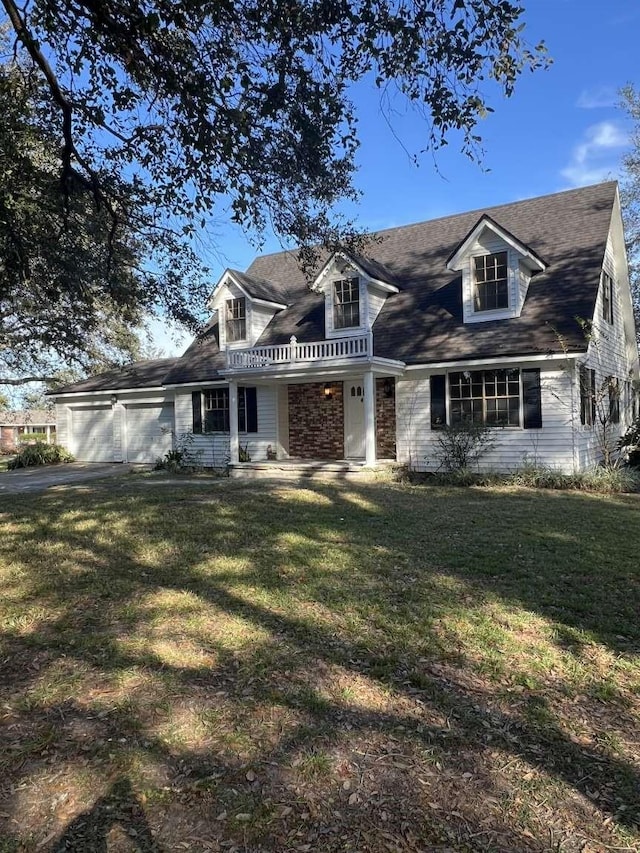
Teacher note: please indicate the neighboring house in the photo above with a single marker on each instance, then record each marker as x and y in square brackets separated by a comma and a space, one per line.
[517, 316]
[24, 426]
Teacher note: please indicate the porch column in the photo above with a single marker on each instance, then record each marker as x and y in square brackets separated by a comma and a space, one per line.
[369, 419]
[234, 445]
[48, 432]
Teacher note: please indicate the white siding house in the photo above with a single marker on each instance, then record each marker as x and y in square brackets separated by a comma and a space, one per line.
[517, 317]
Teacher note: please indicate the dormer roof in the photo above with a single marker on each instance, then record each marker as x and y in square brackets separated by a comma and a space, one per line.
[257, 289]
[376, 272]
[486, 223]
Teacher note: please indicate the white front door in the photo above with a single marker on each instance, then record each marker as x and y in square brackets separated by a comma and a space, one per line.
[354, 419]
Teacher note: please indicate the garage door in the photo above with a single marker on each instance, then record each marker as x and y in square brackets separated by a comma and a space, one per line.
[92, 434]
[149, 432]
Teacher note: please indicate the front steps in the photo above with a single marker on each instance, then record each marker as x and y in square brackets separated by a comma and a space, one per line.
[297, 469]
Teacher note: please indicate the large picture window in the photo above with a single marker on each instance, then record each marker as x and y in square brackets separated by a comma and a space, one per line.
[346, 303]
[236, 319]
[490, 397]
[491, 284]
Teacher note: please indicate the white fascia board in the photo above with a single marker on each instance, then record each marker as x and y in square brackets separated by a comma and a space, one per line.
[508, 359]
[205, 382]
[72, 395]
[457, 261]
[319, 370]
[277, 305]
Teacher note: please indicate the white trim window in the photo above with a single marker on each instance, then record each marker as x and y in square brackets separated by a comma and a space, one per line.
[489, 397]
[236, 319]
[491, 282]
[346, 303]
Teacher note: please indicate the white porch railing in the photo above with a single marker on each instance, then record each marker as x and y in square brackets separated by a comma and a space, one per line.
[357, 346]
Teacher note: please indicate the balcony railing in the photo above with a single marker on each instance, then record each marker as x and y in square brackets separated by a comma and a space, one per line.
[357, 346]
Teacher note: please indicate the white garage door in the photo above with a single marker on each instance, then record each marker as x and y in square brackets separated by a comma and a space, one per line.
[92, 431]
[149, 431]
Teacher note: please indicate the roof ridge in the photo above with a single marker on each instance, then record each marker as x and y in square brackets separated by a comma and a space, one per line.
[477, 210]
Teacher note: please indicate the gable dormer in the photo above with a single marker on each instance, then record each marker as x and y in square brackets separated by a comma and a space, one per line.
[245, 306]
[354, 290]
[496, 270]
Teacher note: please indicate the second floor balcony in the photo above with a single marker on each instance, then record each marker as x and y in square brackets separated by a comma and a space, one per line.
[355, 348]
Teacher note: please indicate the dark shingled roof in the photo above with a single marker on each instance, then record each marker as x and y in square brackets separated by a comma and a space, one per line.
[423, 322]
[260, 288]
[138, 374]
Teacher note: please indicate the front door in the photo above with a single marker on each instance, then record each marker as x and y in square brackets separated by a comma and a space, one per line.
[354, 419]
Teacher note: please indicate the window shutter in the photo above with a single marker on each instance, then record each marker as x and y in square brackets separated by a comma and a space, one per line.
[593, 396]
[438, 401]
[196, 404]
[251, 398]
[531, 398]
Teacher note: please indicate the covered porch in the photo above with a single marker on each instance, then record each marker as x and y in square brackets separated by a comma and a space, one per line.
[335, 401]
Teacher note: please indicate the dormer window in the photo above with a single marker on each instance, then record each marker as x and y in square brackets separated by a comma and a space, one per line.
[491, 285]
[236, 319]
[346, 303]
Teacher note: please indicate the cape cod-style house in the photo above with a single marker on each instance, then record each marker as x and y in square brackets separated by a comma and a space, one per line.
[518, 316]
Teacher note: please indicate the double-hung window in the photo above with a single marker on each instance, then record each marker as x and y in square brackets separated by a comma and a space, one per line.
[236, 319]
[211, 410]
[613, 387]
[607, 298]
[346, 303]
[587, 378]
[491, 282]
[216, 410]
[489, 397]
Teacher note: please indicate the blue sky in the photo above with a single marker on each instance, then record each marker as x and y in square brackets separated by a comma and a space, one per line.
[562, 128]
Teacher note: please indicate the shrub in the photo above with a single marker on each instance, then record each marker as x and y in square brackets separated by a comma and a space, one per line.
[460, 446]
[602, 480]
[183, 456]
[630, 443]
[39, 453]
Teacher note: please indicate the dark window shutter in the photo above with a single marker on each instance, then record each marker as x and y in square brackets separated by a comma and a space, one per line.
[196, 403]
[531, 398]
[593, 396]
[438, 401]
[583, 394]
[251, 398]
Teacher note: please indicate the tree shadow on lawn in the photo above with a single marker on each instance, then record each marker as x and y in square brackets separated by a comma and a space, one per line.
[252, 557]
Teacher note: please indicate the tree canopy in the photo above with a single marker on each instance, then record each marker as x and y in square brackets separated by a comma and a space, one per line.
[630, 197]
[128, 125]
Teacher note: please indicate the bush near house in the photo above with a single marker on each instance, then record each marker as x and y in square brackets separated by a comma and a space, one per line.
[40, 453]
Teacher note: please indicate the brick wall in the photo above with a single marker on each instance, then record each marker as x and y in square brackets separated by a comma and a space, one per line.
[316, 424]
[385, 419]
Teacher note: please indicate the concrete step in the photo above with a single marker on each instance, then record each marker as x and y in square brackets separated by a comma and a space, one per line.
[295, 470]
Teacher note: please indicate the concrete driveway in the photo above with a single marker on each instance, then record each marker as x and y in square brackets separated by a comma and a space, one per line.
[38, 479]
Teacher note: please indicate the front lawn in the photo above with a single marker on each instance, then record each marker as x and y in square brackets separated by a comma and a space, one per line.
[340, 667]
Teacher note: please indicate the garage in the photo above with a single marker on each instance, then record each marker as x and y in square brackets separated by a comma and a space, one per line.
[92, 434]
[149, 431]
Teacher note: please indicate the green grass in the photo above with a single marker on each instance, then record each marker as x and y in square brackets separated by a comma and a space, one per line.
[348, 666]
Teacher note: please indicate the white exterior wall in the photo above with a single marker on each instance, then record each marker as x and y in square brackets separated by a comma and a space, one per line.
[283, 421]
[213, 448]
[66, 406]
[258, 316]
[376, 301]
[612, 352]
[552, 445]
